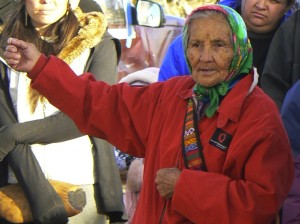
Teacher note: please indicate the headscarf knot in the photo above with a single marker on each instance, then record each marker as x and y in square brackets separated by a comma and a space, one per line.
[212, 95]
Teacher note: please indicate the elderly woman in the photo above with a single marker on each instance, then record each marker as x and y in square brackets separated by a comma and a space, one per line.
[214, 145]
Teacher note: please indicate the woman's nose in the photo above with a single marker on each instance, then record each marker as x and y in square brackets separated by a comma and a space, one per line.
[261, 4]
[206, 53]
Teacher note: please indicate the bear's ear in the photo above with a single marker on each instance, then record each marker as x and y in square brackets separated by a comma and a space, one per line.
[15, 208]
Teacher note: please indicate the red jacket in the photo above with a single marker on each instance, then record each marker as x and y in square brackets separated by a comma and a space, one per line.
[246, 183]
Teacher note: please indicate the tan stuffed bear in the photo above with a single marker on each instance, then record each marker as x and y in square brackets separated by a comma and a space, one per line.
[15, 208]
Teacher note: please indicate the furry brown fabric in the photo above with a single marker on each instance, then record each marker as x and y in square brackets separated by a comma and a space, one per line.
[92, 27]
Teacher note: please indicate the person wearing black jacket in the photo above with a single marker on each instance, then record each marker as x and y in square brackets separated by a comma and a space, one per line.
[282, 67]
[46, 205]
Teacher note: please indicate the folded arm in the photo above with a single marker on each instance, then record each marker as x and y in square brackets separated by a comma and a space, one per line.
[56, 128]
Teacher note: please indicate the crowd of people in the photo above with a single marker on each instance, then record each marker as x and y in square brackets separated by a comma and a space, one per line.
[262, 19]
[218, 132]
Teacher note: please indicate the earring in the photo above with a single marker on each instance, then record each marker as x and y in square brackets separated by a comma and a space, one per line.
[26, 18]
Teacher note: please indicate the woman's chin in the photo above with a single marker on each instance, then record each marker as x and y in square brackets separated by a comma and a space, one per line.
[206, 83]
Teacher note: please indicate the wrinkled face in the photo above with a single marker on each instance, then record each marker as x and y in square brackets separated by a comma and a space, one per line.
[263, 16]
[210, 50]
[45, 12]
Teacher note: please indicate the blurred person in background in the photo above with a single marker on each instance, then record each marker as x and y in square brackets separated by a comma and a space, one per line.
[281, 81]
[282, 69]
[58, 28]
[290, 113]
[262, 18]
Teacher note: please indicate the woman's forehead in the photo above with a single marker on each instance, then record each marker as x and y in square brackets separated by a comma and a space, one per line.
[209, 22]
[214, 27]
[209, 14]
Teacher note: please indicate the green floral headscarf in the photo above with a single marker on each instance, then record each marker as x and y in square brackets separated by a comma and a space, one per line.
[241, 62]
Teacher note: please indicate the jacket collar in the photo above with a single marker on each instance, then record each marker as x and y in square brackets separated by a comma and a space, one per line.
[231, 106]
[92, 28]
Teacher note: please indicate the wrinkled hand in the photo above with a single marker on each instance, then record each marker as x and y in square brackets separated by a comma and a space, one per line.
[21, 55]
[166, 180]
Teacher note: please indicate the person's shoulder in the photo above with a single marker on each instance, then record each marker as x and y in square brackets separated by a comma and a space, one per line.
[295, 88]
[251, 96]
[296, 13]
[177, 40]
[290, 21]
[175, 45]
[6, 6]
[292, 95]
[259, 99]
[107, 37]
[261, 113]
[231, 3]
[89, 6]
[292, 12]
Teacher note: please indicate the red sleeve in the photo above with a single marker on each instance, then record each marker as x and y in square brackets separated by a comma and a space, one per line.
[98, 109]
[41, 63]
